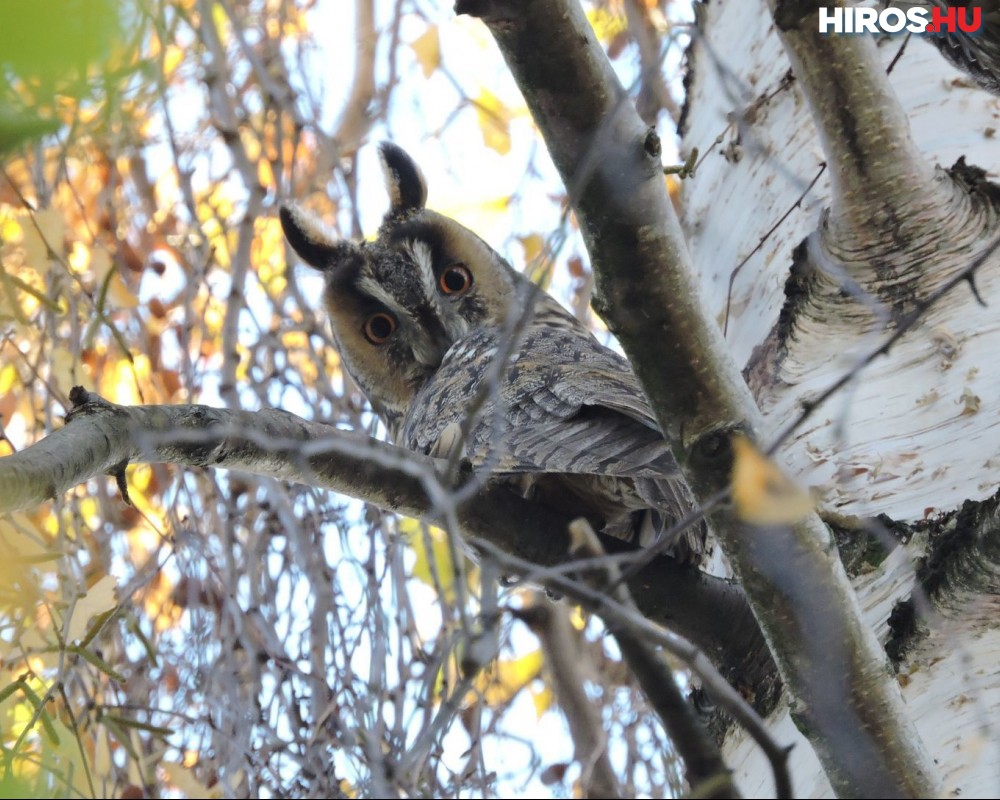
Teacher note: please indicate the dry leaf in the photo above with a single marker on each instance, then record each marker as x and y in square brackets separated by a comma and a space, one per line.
[761, 492]
[428, 50]
[99, 598]
[494, 121]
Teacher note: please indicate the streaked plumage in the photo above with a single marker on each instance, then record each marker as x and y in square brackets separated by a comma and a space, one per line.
[420, 317]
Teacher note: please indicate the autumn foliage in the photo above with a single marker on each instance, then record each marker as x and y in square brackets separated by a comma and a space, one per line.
[223, 634]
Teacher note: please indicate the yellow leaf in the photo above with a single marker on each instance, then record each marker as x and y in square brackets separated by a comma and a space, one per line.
[428, 50]
[139, 478]
[510, 677]
[119, 379]
[8, 377]
[494, 121]
[184, 779]
[532, 244]
[265, 173]
[761, 492]
[10, 227]
[296, 22]
[172, 59]
[537, 262]
[99, 598]
[542, 699]
[268, 252]
[221, 22]
[42, 237]
[434, 565]
[251, 144]
[478, 213]
[155, 47]
[607, 24]
[78, 258]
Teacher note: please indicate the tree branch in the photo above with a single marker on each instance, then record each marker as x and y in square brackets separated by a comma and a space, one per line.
[102, 438]
[706, 772]
[846, 699]
[356, 118]
[563, 658]
[624, 617]
[875, 166]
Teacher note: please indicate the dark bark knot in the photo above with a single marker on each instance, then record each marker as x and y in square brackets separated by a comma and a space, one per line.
[789, 14]
[713, 450]
[652, 144]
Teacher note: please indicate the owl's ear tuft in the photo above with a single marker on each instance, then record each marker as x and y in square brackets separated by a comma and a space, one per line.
[309, 238]
[403, 179]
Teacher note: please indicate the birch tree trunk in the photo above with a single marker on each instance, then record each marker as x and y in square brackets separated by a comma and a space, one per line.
[808, 269]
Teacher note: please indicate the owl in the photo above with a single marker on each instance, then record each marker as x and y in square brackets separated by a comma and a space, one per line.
[461, 355]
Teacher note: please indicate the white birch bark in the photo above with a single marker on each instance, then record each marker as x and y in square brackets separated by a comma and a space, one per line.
[916, 434]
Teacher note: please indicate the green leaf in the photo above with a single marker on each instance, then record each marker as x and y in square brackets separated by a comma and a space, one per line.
[16, 129]
[53, 41]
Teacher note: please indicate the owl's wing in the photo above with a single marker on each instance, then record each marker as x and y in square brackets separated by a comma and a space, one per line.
[565, 403]
[564, 406]
[570, 405]
[564, 418]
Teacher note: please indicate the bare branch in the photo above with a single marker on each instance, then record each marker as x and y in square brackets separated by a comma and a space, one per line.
[566, 671]
[707, 773]
[102, 437]
[356, 117]
[620, 616]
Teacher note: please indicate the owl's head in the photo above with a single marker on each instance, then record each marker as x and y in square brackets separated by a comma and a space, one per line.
[397, 304]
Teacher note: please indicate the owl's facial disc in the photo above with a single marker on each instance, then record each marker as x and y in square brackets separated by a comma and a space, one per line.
[398, 304]
[412, 314]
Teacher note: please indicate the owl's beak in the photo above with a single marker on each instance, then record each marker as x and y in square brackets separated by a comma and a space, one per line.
[434, 340]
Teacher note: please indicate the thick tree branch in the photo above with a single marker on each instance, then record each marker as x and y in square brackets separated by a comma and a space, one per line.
[880, 180]
[566, 667]
[846, 699]
[960, 567]
[103, 438]
[896, 220]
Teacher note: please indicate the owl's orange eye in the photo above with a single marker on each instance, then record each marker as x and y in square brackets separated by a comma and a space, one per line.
[456, 280]
[379, 327]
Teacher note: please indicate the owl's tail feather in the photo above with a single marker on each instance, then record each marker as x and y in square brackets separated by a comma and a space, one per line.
[670, 501]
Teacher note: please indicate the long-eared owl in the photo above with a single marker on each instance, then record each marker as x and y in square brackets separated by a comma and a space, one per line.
[435, 326]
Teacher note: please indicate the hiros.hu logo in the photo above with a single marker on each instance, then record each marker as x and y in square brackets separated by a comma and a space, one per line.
[932, 21]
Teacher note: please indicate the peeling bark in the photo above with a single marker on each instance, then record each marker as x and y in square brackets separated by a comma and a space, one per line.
[829, 262]
[977, 54]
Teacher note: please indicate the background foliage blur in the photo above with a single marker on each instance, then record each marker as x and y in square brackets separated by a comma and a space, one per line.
[225, 634]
